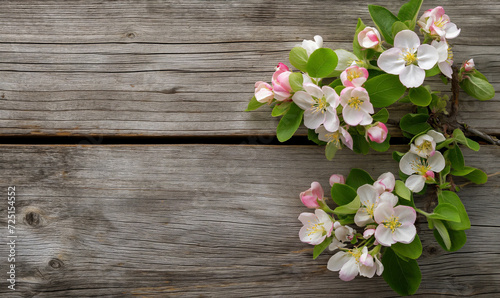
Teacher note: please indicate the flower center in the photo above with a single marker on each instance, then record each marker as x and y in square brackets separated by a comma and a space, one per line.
[320, 104]
[418, 167]
[369, 210]
[426, 146]
[334, 137]
[410, 57]
[356, 253]
[392, 223]
[355, 103]
[353, 75]
[316, 228]
[441, 22]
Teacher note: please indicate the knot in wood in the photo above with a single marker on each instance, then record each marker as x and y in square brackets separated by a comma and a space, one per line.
[33, 219]
[56, 263]
[130, 35]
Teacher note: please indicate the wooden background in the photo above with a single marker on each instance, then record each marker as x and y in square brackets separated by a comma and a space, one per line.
[186, 216]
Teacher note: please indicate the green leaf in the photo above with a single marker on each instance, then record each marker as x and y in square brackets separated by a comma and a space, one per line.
[356, 48]
[339, 89]
[383, 19]
[330, 150]
[474, 175]
[318, 249]
[398, 26]
[457, 239]
[296, 80]
[414, 123]
[346, 219]
[381, 147]
[384, 90]
[411, 250]
[459, 136]
[420, 96]
[403, 277]
[456, 158]
[472, 144]
[433, 71]
[321, 63]
[281, 108]
[360, 145]
[350, 208]
[254, 104]
[342, 194]
[289, 123]
[298, 58]
[445, 211]
[409, 12]
[476, 86]
[313, 136]
[442, 231]
[402, 191]
[452, 198]
[381, 116]
[358, 177]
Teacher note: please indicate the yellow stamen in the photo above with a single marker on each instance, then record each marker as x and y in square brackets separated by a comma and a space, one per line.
[441, 22]
[355, 103]
[450, 54]
[356, 253]
[334, 137]
[409, 57]
[353, 74]
[320, 104]
[316, 228]
[419, 167]
[426, 146]
[392, 223]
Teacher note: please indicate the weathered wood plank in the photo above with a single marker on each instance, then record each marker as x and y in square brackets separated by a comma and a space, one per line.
[187, 220]
[184, 68]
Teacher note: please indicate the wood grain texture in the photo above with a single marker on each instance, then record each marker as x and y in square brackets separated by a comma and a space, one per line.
[207, 221]
[186, 68]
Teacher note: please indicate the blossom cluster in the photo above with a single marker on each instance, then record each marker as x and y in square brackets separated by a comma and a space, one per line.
[383, 221]
[341, 97]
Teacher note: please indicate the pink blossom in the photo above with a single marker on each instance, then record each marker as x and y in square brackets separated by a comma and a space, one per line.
[469, 65]
[369, 38]
[357, 106]
[263, 92]
[316, 227]
[354, 76]
[396, 224]
[311, 196]
[340, 135]
[281, 85]
[436, 23]
[385, 183]
[377, 133]
[337, 178]
[319, 105]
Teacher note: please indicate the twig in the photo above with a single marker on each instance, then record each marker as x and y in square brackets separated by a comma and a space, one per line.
[467, 183]
[480, 134]
[455, 92]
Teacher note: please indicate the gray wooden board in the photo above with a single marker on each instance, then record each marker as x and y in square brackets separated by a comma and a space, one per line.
[187, 68]
[208, 221]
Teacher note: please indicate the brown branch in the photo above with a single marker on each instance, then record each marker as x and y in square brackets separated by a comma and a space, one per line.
[480, 134]
[455, 92]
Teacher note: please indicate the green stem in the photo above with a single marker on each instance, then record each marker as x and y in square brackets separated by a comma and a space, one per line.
[445, 143]
[422, 212]
[325, 207]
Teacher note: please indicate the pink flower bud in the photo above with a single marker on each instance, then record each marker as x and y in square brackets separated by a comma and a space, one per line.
[337, 178]
[377, 133]
[311, 196]
[263, 92]
[469, 65]
[369, 38]
[281, 83]
[385, 182]
[429, 175]
[354, 76]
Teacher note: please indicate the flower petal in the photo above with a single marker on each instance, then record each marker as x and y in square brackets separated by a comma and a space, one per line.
[367, 194]
[437, 136]
[349, 270]
[331, 120]
[391, 61]
[367, 271]
[306, 217]
[405, 234]
[388, 198]
[352, 116]
[451, 30]
[406, 214]
[338, 260]
[313, 90]
[412, 76]
[362, 218]
[436, 162]
[427, 56]
[303, 100]
[313, 118]
[406, 39]
[415, 183]
[317, 190]
[445, 68]
[406, 162]
[383, 212]
[331, 96]
[384, 236]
